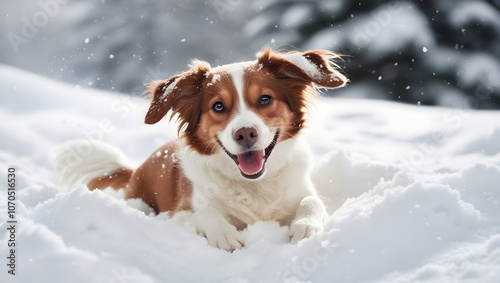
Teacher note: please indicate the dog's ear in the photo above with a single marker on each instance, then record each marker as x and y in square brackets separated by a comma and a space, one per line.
[180, 93]
[315, 66]
[160, 102]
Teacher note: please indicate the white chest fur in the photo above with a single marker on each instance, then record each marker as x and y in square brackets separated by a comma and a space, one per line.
[217, 184]
[247, 202]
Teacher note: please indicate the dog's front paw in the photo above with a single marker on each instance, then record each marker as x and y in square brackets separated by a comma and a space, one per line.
[226, 239]
[303, 228]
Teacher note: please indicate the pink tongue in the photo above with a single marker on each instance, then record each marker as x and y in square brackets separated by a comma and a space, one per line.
[251, 162]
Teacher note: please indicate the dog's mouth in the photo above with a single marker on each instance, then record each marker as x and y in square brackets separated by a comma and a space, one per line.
[252, 163]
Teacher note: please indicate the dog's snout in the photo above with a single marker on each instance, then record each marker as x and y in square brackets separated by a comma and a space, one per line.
[246, 137]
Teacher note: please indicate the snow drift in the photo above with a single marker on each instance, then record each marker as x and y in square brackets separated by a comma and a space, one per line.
[413, 195]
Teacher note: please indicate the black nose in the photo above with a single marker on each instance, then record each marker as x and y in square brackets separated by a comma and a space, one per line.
[246, 137]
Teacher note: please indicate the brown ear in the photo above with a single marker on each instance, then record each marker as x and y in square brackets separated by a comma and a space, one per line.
[159, 102]
[311, 67]
[179, 94]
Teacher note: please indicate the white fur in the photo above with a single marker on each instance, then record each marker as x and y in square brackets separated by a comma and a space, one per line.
[222, 197]
[245, 118]
[78, 162]
[237, 73]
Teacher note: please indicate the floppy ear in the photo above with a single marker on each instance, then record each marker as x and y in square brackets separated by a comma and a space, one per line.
[310, 67]
[160, 102]
[180, 94]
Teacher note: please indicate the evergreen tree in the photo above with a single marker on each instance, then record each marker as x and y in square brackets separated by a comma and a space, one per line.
[428, 51]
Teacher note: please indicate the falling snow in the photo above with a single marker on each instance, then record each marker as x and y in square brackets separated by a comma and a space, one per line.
[449, 183]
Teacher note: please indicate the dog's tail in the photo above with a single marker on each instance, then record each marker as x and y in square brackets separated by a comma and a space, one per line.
[95, 164]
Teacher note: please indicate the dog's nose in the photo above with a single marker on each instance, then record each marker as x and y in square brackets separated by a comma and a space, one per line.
[246, 137]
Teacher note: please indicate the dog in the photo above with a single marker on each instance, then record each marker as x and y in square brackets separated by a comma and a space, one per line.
[241, 156]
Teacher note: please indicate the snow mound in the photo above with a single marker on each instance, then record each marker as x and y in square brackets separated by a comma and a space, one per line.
[412, 194]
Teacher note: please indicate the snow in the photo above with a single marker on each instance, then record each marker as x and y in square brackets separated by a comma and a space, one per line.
[412, 194]
[149, 40]
[304, 64]
[477, 11]
[480, 69]
[296, 16]
[171, 87]
[389, 27]
[473, 70]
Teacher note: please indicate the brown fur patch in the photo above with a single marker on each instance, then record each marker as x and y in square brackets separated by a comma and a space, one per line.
[117, 179]
[160, 182]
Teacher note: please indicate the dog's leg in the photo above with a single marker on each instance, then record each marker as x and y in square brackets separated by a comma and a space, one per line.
[218, 231]
[308, 219]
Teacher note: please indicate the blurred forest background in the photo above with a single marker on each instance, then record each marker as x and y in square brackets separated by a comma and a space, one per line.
[432, 52]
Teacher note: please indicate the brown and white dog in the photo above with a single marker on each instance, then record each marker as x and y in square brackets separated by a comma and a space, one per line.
[241, 157]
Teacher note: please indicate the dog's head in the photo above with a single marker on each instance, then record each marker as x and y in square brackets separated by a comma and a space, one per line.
[244, 109]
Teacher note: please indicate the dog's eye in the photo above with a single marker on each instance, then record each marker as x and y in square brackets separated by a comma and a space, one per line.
[265, 100]
[218, 106]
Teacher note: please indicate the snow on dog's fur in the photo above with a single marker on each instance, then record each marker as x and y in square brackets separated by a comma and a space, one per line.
[240, 158]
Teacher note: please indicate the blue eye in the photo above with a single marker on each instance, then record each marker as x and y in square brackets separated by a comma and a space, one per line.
[265, 100]
[218, 106]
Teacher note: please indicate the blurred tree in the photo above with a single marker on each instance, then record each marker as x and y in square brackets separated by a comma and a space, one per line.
[119, 45]
[428, 51]
[442, 52]
[122, 45]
